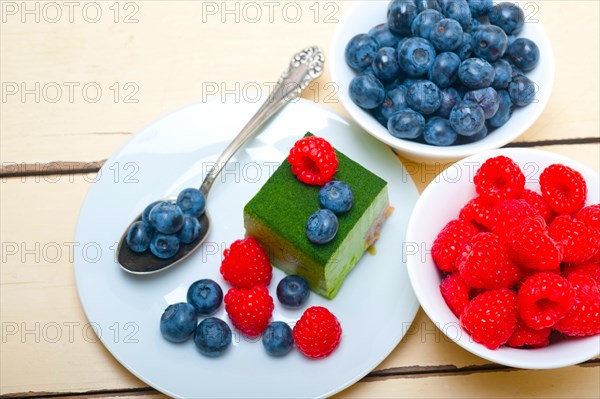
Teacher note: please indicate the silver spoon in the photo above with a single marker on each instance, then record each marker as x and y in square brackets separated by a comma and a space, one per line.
[305, 67]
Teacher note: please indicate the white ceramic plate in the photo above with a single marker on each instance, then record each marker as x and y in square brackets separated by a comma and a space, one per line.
[374, 306]
[455, 184]
[366, 14]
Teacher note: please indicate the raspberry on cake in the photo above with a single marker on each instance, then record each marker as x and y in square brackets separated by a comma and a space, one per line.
[277, 216]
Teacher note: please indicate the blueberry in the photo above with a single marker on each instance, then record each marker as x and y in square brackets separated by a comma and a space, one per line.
[476, 73]
[465, 50]
[166, 217]
[423, 97]
[321, 226]
[446, 35]
[178, 322]
[522, 91]
[292, 291]
[164, 246]
[438, 131]
[486, 98]
[524, 54]
[406, 124]
[278, 339]
[480, 8]
[366, 91]
[394, 84]
[457, 10]
[146, 213]
[384, 36]
[489, 42]
[385, 64]
[394, 101]
[508, 16]
[416, 55]
[444, 70]
[476, 137]
[360, 51]
[475, 24]
[504, 110]
[448, 99]
[205, 295]
[367, 71]
[139, 236]
[400, 15]
[467, 118]
[502, 74]
[511, 39]
[423, 5]
[516, 71]
[212, 337]
[190, 230]
[192, 202]
[423, 23]
[376, 112]
[336, 196]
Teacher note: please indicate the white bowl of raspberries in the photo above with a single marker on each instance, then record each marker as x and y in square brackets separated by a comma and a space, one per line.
[439, 80]
[508, 264]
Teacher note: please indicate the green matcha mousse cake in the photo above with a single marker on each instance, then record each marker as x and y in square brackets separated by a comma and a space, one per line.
[277, 216]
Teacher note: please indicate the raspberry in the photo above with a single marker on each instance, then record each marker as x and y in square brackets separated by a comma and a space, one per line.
[245, 264]
[313, 160]
[529, 245]
[484, 263]
[584, 318]
[508, 214]
[563, 188]
[455, 292]
[524, 335]
[478, 212]
[317, 333]
[544, 299]
[249, 309]
[491, 318]
[590, 269]
[590, 215]
[447, 245]
[579, 241]
[538, 203]
[498, 179]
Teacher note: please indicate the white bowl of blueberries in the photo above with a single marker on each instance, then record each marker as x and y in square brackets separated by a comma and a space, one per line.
[440, 80]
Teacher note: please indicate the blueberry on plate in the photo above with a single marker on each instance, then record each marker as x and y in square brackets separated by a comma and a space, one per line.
[476, 73]
[360, 51]
[336, 196]
[423, 97]
[504, 110]
[507, 16]
[192, 202]
[423, 23]
[489, 42]
[457, 10]
[292, 291]
[366, 91]
[476, 137]
[480, 8]
[394, 101]
[166, 217]
[522, 91]
[384, 36]
[423, 5]
[486, 98]
[524, 54]
[448, 99]
[438, 131]
[467, 118]
[164, 246]
[406, 124]
[415, 55]
[146, 213]
[465, 50]
[321, 226]
[446, 35]
[178, 322]
[385, 65]
[190, 230]
[205, 295]
[212, 337]
[139, 236]
[400, 15]
[278, 339]
[444, 70]
[502, 74]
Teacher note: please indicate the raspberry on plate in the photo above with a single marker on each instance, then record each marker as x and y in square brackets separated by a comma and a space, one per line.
[478, 212]
[491, 318]
[245, 264]
[589, 268]
[538, 203]
[584, 318]
[524, 335]
[318, 332]
[544, 299]
[563, 188]
[313, 160]
[455, 292]
[590, 215]
[508, 214]
[498, 179]
[484, 263]
[579, 241]
[530, 246]
[447, 245]
[249, 309]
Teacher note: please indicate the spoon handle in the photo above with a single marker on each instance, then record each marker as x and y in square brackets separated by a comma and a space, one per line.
[305, 67]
